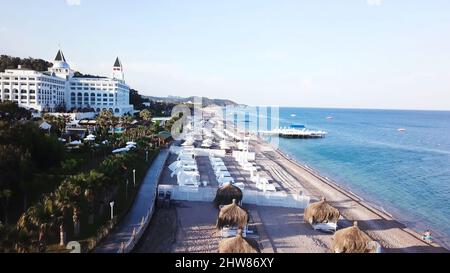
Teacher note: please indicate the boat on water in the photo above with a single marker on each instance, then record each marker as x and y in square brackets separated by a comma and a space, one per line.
[295, 131]
[401, 129]
[293, 115]
[329, 117]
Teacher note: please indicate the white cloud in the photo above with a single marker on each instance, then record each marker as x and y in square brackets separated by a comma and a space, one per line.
[374, 2]
[73, 2]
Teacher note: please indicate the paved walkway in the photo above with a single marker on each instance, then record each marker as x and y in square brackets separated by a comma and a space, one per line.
[143, 202]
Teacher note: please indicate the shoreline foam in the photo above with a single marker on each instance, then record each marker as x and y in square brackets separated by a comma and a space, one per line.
[417, 246]
[367, 203]
[383, 227]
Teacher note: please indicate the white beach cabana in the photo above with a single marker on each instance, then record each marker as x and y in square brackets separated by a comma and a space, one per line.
[223, 180]
[45, 126]
[90, 137]
[121, 150]
[75, 143]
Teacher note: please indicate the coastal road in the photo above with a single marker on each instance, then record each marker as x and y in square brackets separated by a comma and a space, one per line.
[143, 202]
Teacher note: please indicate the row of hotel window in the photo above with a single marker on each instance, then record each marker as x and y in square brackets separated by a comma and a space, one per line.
[32, 91]
[32, 97]
[103, 84]
[33, 79]
[33, 84]
[92, 94]
[86, 99]
[92, 88]
[92, 84]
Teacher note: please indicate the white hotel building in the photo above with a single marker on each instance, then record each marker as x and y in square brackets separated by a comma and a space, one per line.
[60, 87]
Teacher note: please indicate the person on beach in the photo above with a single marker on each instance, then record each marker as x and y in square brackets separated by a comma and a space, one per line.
[427, 236]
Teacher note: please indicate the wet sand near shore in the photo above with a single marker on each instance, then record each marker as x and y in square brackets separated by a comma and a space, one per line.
[393, 236]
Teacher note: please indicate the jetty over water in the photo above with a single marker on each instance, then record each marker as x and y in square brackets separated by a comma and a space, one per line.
[294, 132]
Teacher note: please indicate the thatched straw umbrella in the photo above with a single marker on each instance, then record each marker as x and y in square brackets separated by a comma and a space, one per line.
[226, 194]
[238, 244]
[353, 240]
[232, 215]
[321, 212]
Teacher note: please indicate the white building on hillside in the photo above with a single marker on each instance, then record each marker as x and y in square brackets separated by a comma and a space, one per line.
[61, 87]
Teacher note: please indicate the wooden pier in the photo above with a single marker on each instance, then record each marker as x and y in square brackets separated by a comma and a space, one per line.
[294, 133]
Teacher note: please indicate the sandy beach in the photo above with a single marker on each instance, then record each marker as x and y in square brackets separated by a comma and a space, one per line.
[393, 236]
[187, 226]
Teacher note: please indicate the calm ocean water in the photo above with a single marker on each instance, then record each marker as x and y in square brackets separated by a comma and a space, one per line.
[407, 174]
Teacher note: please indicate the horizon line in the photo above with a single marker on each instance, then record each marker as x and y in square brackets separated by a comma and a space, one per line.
[353, 108]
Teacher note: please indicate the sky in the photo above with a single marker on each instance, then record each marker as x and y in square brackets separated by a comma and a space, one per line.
[389, 54]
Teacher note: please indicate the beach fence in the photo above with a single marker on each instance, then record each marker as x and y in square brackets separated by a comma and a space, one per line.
[139, 228]
[207, 194]
[128, 246]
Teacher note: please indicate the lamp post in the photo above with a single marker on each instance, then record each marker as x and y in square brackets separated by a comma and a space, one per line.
[126, 190]
[134, 177]
[111, 204]
[146, 155]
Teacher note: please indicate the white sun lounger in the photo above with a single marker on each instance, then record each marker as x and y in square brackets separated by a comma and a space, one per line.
[216, 167]
[327, 227]
[240, 185]
[223, 180]
[223, 174]
[232, 232]
[185, 157]
[186, 172]
[220, 168]
[177, 164]
[264, 185]
[216, 161]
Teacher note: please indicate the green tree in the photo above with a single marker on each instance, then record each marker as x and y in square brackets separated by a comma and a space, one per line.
[5, 195]
[136, 100]
[67, 200]
[145, 115]
[58, 123]
[11, 111]
[126, 120]
[106, 121]
[39, 219]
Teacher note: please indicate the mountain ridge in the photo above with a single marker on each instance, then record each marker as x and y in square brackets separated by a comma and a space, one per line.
[206, 101]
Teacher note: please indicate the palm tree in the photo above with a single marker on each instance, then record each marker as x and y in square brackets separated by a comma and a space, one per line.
[106, 120]
[66, 198]
[4, 197]
[27, 183]
[90, 198]
[126, 120]
[145, 115]
[38, 218]
[58, 122]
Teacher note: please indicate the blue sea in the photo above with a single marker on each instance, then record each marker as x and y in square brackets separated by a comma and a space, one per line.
[405, 173]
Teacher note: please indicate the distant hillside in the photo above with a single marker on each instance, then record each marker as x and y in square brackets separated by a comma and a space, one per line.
[8, 62]
[206, 101]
